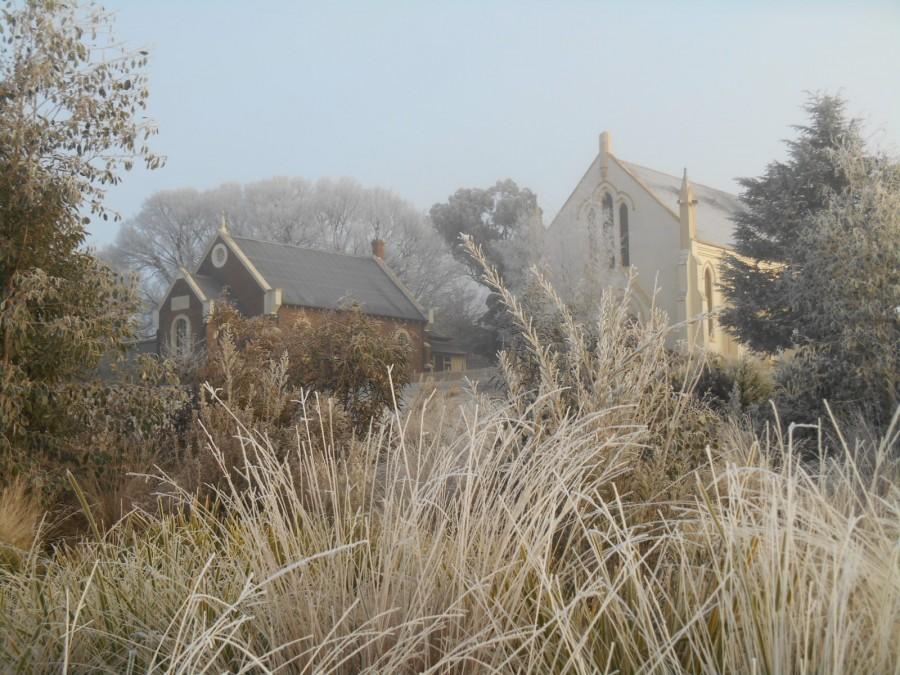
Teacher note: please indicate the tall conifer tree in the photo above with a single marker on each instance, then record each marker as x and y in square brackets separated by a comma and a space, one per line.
[779, 208]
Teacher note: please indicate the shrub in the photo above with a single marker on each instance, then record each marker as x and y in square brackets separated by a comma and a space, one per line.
[735, 386]
[262, 366]
[579, 524]
[112, 429]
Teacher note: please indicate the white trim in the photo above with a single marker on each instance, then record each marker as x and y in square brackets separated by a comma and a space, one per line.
[182, 301]
[623, 197]
[246, 261]
[272, 301]
[603, 188]
[405, 334]
[647, 189]
[201, 296]
[189, 280]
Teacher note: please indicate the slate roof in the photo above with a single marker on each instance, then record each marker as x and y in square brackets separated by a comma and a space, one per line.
[321, 279]
[714, 207]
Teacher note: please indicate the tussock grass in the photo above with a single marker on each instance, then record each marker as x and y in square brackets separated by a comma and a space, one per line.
[20, 519]
[545, 532]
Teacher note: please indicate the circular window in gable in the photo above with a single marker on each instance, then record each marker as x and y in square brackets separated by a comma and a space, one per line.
[219, 255]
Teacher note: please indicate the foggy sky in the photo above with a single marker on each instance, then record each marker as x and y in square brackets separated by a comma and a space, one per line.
[425, 97]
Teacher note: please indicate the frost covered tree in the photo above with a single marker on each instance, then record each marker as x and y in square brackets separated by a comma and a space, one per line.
[848, 293]
[778, 210]
[71, 103]
[341, 215]
[816, 270]
[504, 221]
[489, 217]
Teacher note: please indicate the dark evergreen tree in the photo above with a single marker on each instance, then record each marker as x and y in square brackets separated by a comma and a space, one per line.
[778, 209]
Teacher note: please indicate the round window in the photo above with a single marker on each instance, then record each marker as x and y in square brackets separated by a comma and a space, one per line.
[219, 255]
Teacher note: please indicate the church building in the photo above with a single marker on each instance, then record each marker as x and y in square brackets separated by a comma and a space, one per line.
[672, 233]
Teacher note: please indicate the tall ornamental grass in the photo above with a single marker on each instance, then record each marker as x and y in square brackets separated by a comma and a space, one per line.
[544, 532]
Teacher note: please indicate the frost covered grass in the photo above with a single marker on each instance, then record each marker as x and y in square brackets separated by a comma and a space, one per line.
[503, 557]
[594, 520]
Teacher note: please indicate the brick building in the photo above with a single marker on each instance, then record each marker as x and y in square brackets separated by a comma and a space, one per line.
[266, 278]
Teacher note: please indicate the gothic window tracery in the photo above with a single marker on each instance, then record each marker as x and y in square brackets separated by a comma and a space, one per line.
[607, 231]
[623, 235]
[708, 290]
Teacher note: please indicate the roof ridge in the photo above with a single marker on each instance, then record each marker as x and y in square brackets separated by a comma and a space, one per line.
[302, 248]
[671, 175]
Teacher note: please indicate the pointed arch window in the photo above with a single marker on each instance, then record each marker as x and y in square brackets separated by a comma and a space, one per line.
[181, 336]
[708, 290]
[623, 235]
[591, 219]
[607, 231]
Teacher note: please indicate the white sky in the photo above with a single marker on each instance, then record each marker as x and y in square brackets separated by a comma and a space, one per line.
[425, 97]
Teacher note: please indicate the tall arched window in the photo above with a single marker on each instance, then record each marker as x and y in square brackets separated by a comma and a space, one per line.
[593, 227]
[623, 235]
[708, 289]
[608, 243]
[181, 336]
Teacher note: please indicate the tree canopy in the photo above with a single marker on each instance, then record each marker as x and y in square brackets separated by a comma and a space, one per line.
[487, 216]
[70, 122]
[778, 209]
[816, 271]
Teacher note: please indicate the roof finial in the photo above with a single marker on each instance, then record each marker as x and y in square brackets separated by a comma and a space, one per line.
[687, 212]
[223, 223]
[604, 153]
[687, 190]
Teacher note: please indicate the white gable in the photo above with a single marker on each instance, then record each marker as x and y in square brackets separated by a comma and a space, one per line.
[669, 259]
[653, 233]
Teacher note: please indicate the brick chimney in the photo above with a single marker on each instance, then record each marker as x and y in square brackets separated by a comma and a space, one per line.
[378, 248]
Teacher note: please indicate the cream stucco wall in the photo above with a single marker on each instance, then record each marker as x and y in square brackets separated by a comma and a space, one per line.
[664, 250]
[653, 237]
[709, 257]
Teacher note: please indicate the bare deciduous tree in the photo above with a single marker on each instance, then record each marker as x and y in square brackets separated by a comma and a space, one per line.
[333, 214]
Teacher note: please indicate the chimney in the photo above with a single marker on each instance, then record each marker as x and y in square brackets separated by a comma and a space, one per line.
[378, 248]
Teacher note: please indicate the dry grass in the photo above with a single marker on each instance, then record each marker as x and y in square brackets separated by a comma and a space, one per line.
[495, 536]
[20, 517]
